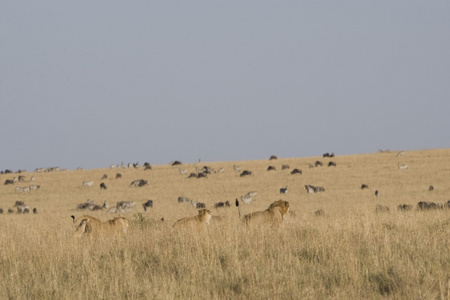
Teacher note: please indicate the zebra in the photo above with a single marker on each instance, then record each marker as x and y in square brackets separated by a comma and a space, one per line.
[182, 171]
[112, 166]
[247, 198]
[88, 183]
[222, 204]
[221, 170]
[284, 190]
[34, 187]
[404, 207]
[236, 168]
[402, 167]
[381, 208]
[401, 153]
[25, 189]
[314, 189]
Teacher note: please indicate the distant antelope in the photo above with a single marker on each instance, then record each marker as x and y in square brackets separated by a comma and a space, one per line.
[402, 166]
[284, 190]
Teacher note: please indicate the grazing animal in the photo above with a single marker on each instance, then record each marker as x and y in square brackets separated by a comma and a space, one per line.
[1, 210]
[221, 170]
[147, 166]
[139, 183]
[271, 168]
[236, 168]
[314, 189]
[296, 171]
[90, 205]
[272, 217]
[318, 163]
[422, 205]
[404, 207]
[176, 163]
[104, 177]
[183, 199]
[311, 166]
[90, 226]
[376, 193]
[196, 222]
[147, 204]
[364, 186]
[35, 210]
[402, 167]
[332, 164]
[246, 173]
[401, 153]
[284, 167]
[118, 175]
[247, 198]
[431, 188]
[273, 157]
[88, 183]
[381, 208]
[34, 187]
[182, 171]
[103, 186]
[284, 190]
[222, 204]
[23, 209]
[10, 211]
[319, 212]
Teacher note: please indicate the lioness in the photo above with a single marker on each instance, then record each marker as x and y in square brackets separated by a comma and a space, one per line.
[200, 220]
[271, 217]
[91, 226]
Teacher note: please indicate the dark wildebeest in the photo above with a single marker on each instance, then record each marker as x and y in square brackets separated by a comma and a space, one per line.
[175, 163]
[103, 186]
[381, 208]
[104, 177]
[139, 183]
[1, 210]
[35, 210]
[147, 166]
[364, 186]
[422, 205]
[273, 157]
[222, 204]
[296, 171]
[118, 175]
[9, 181]
[284, 167]
[332, 164]
[183, 199]
[147, 204]
[271, 168]
[404, 207]
[318, 163]
[326, 155]
[192, 175]
[284, 190]
[246, 173]
[200, 205]
[201, 175]
[376, 193]
[431, 188]
[10, 211]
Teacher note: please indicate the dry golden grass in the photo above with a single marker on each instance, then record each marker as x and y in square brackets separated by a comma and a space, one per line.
[349, 252]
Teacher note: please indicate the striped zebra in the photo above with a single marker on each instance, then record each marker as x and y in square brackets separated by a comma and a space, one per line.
[25, 189]
[182, 171]
[88, 183]
[236, 168]
[402, 167]
[221, 170]
[34, 187]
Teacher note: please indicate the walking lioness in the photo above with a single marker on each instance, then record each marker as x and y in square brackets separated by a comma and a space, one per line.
[91, 226]
[271, 217]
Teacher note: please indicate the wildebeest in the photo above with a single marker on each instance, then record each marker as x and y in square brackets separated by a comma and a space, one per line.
[9, 181]
[122, 207]
[318, 163]
[332, 164]
[104, 177]
[175, 163]
[10, 211]
[1, 210]
[364, 186]
[422, 205]
[273, 157]
[328, 154]
[319, 212]
[118, 175]
[103, 186]
[245, 173]
[90, 205]
[139, 183]
[381, 208]
[147, 204]
[296, 171]
[35, 210]
[284, 190]
[284, 167]
[430, 188]
[192, 175]
[147, 166]
[376, 193]
[271, 168]
[404, 207]
[222, 204]
[183, 199]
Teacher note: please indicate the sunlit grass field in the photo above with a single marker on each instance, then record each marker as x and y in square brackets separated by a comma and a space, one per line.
[349, 252]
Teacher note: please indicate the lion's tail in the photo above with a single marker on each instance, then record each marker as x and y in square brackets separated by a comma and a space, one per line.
[239, 209]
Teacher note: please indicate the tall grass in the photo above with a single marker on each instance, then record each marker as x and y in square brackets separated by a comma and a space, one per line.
[350, 252]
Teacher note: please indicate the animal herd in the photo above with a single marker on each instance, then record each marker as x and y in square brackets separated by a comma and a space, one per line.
[271, 217]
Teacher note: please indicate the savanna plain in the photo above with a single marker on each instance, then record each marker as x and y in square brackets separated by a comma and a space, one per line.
[350, 251]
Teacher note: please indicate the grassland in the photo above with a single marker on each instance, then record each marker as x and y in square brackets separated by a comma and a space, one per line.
[350, 252]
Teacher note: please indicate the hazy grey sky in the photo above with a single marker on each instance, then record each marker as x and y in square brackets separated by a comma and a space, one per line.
[90, 83]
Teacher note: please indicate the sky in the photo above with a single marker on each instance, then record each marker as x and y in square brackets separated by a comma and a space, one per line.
[93, 83]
